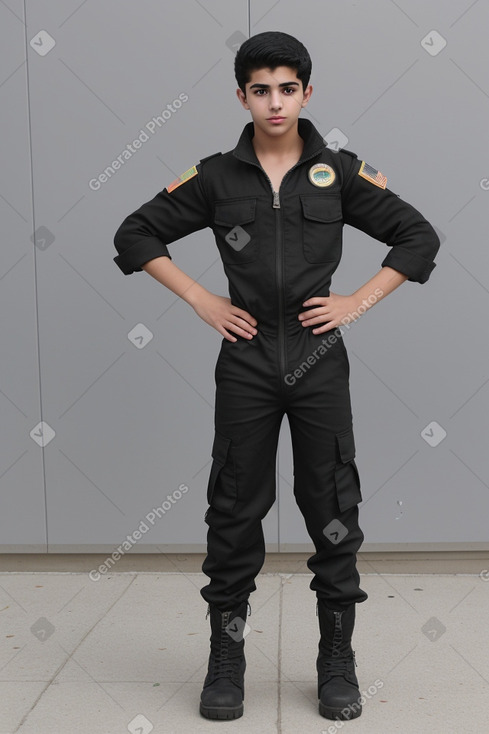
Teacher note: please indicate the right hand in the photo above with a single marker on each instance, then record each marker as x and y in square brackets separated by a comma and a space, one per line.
[219, 312]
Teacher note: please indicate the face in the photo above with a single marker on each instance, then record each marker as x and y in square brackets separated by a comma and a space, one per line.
[275, 99]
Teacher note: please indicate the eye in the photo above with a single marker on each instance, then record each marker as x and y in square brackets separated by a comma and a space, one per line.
[289, 89]
[259, 92]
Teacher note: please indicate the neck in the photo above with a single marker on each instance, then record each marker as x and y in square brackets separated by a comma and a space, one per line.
[290, 143]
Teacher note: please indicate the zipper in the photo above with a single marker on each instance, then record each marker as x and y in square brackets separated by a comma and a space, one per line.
[279, 250]
[279, 260]
[279, 263]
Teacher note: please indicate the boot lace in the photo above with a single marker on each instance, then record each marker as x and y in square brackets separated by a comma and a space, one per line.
[337, 666]
[224, 666]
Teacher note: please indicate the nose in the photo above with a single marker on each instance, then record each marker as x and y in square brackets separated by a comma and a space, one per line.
[275, 100]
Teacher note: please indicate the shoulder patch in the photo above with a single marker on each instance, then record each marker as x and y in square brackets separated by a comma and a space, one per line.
[373, 175]
[203, 160]
[186, 176]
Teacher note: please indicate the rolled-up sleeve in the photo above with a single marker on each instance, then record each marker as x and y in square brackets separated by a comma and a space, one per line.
[145, 234]
[382, 214]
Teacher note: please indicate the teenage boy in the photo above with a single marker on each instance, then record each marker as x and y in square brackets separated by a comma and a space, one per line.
[277, 203]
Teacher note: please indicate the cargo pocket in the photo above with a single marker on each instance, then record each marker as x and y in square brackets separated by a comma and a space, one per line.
[322, 227]
[346, 473]
[235, 230]
[221, 488]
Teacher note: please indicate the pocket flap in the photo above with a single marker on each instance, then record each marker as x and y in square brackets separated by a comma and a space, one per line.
[346, 444]
[348, 489]
[321, 208]
[220, 448]
[231, 213]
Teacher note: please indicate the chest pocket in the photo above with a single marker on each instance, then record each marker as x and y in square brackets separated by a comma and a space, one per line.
[322, 227]
[235, 230]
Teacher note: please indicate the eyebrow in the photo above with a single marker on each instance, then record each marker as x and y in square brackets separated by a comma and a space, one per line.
[267, 86]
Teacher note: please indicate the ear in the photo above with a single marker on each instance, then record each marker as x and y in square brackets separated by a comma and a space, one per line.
[307, 95]
[242, 98]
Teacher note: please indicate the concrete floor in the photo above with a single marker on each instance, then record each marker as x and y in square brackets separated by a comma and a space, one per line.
[128, 652]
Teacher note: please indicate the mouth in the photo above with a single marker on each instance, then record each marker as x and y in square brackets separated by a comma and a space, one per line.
[275, 119]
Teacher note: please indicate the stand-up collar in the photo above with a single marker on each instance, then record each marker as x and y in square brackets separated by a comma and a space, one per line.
[313, 142]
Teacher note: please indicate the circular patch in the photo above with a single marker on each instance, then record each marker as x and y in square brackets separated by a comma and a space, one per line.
[320, 174]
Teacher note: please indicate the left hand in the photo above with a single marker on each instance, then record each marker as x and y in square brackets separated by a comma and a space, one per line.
[331, 311]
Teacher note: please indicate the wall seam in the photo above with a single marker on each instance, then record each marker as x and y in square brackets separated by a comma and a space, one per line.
[36, 298]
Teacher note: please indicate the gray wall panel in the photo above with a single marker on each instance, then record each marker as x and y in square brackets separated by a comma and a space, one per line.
[133, 424]
[420, 355]
[22, 519]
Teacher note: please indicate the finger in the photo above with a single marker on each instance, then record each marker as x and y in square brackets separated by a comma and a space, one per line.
[322, 321]
[322, 329]
[319, 319]
[312, 312]
[237, 329]
[245, 316]
[243, 324]
[227, 335]
[315, 301]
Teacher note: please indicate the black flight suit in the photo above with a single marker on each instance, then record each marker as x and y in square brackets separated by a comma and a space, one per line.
[279, 249]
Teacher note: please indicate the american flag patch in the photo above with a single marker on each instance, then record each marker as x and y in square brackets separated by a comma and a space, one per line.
[182, 178]
[372, 175]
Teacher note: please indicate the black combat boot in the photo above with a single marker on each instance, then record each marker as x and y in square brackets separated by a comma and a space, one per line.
[338, 692]
[223, 692]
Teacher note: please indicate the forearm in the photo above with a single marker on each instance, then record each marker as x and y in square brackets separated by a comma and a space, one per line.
[168, 274]
[375, 289]
[217, 311]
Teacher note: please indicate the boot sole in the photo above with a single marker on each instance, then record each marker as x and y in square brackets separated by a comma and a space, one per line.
[335, 713]
[223, 712]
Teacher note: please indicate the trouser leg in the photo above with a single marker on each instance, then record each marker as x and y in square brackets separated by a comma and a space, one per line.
[326, 480]
[242, 485]
[337, 538]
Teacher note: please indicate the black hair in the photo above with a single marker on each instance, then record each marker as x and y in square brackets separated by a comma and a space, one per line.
[269, 50]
